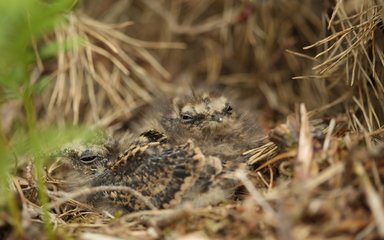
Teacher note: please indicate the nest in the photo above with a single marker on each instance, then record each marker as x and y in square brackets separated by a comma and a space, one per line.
[313, 72]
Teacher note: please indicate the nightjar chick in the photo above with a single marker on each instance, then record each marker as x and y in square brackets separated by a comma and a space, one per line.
[217, 126]
[163, 174]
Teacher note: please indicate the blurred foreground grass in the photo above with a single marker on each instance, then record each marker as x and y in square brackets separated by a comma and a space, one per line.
[22, 23]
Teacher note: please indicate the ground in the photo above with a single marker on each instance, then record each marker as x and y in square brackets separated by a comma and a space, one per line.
[310, 72]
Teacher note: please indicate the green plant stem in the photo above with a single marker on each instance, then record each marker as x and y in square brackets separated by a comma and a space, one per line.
[33, 136]
[43, 197]
[15, 212]
[3, 138]
[29, 111]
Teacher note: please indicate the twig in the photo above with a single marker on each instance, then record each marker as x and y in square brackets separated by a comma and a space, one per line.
[87, 191]
[305, 150]
[374, 200]
[240, 174]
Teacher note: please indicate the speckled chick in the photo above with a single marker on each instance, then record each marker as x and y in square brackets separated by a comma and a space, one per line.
[217, 126]
[163, 174]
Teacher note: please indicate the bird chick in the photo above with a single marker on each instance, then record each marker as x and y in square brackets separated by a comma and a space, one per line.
[213, 123]
[85, 162]
[91, 160]
[157, 174]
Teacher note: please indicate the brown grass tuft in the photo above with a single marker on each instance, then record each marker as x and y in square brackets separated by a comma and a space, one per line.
[317, 65]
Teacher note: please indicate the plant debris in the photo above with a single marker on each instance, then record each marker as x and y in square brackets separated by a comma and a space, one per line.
[312, 71]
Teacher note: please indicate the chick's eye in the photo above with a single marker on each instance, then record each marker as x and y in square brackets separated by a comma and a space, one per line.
[228, 109]
[88, 157]
[187, 117]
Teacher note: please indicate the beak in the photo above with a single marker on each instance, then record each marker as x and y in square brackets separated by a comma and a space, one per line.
[218, 117]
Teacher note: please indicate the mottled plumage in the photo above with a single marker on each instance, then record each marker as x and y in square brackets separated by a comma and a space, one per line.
[217, 126]
[191, 156]
[166, 175]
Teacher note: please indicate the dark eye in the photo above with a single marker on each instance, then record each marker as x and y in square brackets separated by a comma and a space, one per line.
[88, 157]
[187, 117]
[227, 109]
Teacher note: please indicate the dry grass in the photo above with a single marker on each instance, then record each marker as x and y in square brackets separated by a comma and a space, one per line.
[103, 76]
[317, 65]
